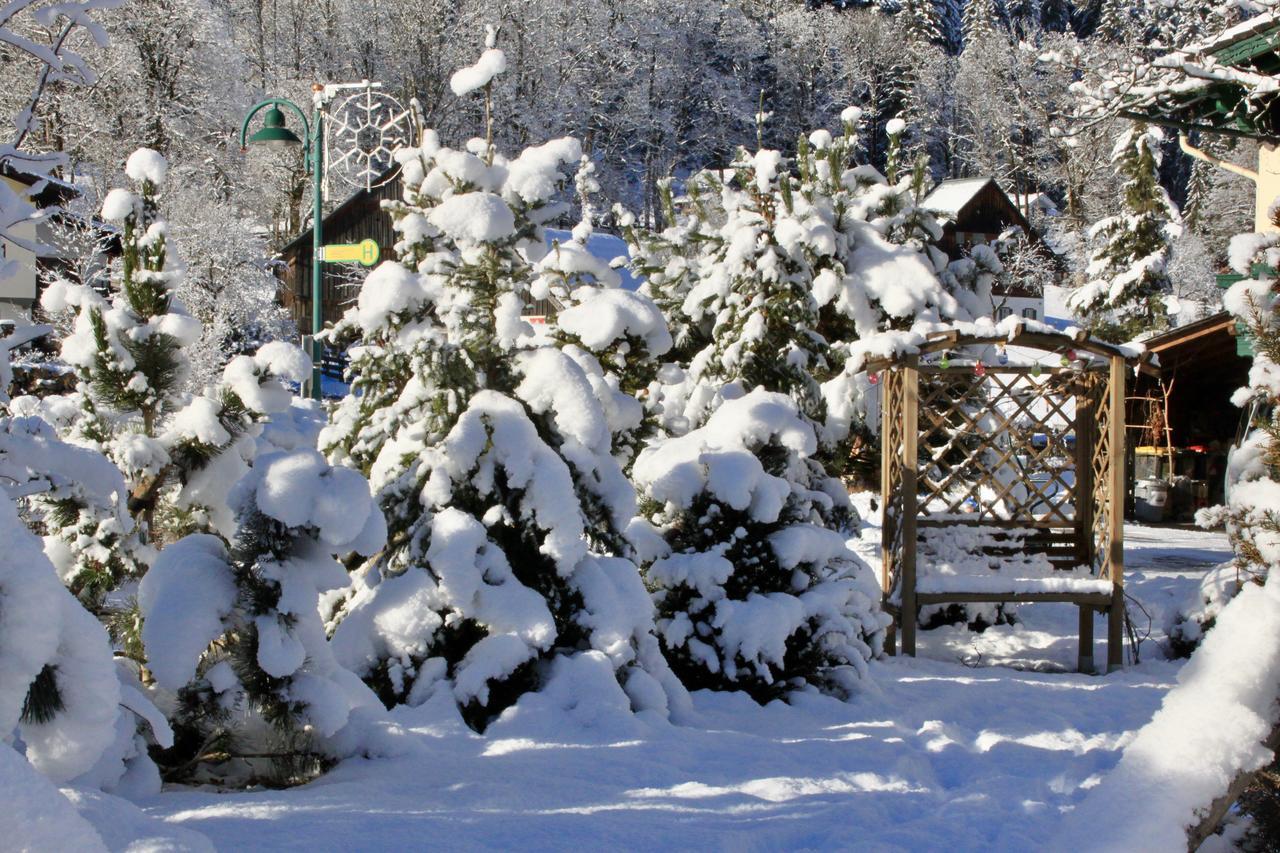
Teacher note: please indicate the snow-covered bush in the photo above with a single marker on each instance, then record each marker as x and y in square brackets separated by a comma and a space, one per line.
[756, 594]
[511, 525]
[1252, 511]
[235, 634]
[58, 686]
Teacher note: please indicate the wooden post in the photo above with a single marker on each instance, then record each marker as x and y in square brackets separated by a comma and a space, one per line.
[1085, 660]
[1115, 513]
[889, 408]
[910, 426]
[1086, 441]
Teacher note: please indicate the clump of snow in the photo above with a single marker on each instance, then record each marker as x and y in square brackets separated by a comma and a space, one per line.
[119, 205]
[146, 164]
[184, 598]
[471, 218]
[602, 316]
[490, 64]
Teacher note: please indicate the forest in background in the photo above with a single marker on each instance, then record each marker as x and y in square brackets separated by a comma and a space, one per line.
[654, 88]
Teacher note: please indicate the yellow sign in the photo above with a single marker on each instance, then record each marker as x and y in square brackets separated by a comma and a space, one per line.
[365, 252]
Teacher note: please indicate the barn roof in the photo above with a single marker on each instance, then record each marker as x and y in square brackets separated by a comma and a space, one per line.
[950, 197]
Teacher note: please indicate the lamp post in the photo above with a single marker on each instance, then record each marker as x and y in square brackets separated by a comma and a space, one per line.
[275, 134]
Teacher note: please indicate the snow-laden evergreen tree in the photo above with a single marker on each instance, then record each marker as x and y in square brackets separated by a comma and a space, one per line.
[922, 22]
[1252, 511]
[780, 267]
[512, 529]
[980, 22]
[179, 453]
[73, 712]
[757, 594]
[793, 265]
[1125, 295]
[234, 634]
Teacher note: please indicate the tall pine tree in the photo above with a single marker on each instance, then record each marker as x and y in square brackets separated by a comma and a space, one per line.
[1128, 279]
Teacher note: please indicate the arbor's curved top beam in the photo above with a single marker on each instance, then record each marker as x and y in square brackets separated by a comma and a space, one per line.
[1018, 333]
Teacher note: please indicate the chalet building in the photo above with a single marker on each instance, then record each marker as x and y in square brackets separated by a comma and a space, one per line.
[24, 272]
[974, 211]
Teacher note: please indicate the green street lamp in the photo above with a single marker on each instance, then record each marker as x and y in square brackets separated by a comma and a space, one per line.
[275, 134]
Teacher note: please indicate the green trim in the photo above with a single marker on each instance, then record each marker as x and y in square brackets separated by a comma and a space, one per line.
[1239, 52]
[1244, 341]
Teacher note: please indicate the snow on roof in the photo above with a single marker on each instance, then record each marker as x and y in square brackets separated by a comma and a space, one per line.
[1034, 201]
[949, 197]
[1256, 25]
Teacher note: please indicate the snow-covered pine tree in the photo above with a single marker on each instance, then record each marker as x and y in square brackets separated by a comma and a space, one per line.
[922, 22]
[1252, 513]
[511, 524]
[235, 634]
[1128, 280]
[757, 593]
[781, 313]
[980, 21]
[795, 257]
[177, 452]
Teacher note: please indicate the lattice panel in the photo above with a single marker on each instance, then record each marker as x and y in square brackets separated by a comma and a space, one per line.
[1100, 408]
[891, 437]
[998, 446]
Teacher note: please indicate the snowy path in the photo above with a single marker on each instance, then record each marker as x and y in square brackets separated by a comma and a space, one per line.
[933, 755]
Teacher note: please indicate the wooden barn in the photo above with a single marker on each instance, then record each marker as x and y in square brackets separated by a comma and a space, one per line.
[358, 218]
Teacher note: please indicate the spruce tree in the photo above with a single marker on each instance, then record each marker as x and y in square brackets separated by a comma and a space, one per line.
[512, 529]
[179, 453]
[979, 22]
[1128, 280]
[799, 260]
[234, 634]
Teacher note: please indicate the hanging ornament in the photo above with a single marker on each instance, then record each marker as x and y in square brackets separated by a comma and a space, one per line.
[1066, 362]
[979, 369]
[1071, 355]
[1035, 369]
[873, 378]
[945, 362]
[1002, 357]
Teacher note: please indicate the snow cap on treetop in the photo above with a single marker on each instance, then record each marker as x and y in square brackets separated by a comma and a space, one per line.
[118, 205]
[851, 115]
[490, 64]
[146, 165]
[895, 126]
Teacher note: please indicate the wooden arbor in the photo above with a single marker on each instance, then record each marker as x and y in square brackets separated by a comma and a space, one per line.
[1003, 476]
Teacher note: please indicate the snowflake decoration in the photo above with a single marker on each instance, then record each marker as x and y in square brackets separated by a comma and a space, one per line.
[362, 131]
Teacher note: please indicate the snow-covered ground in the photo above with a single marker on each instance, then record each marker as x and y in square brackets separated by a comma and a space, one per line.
[981, 743]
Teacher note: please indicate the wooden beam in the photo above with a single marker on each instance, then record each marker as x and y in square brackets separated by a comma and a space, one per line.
[1099, 600]
[910, 425]
[1084, 659]
[1227, 325]
[1115, 510]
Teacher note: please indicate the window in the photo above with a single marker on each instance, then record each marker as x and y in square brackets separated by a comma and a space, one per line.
[1001, 313]
[1029, 313]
